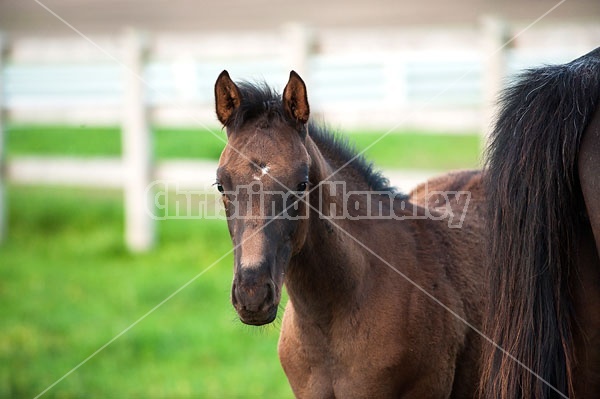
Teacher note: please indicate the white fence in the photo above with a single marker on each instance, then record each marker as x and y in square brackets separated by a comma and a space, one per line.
[441, 79]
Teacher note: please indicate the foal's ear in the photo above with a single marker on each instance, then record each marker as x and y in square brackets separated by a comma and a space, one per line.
[227, 97]
[295, 101]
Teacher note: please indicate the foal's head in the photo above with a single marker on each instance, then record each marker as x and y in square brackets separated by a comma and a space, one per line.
[263, 173]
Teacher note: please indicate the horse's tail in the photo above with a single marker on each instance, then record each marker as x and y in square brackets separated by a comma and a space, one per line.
[535, 208]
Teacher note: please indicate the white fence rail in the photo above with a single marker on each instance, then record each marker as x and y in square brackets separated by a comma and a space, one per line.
[441, 79]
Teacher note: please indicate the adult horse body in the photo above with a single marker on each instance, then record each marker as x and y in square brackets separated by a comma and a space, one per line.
[543, 190]
[378, 306]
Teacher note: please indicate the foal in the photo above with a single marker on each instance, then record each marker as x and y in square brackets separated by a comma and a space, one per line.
[381, 291]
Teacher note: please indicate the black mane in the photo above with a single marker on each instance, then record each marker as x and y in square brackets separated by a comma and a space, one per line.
[339, 147]
[258, 99]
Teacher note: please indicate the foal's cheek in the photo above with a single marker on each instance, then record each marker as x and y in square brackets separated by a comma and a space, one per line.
[233, 227]
[299, 235]
[230, 207]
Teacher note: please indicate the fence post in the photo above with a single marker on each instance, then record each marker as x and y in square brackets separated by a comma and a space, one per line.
[3, 198]
[137, 146]
[299, 44]
[495, 35]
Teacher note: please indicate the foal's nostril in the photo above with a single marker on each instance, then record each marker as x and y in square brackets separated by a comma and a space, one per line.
[253, 299]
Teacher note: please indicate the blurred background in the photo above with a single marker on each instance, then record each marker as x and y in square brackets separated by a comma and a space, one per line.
[98, 99]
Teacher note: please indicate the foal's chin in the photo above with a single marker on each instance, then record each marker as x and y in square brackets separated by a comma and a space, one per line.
[258, 318]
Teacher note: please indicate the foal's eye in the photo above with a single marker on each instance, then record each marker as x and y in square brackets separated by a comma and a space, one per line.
[302, 186]
[220, 187]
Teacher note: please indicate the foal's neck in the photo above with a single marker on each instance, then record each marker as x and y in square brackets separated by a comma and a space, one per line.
[328, 275]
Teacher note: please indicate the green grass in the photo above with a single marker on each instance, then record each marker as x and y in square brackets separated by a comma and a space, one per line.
[421, 150]
[68, 286]
[106, 141]
[404, 150]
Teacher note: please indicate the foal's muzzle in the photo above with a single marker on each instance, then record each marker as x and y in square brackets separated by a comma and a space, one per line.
[254, 296]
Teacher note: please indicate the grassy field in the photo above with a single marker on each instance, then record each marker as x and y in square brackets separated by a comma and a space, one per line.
[68, 285]
[405, 150]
